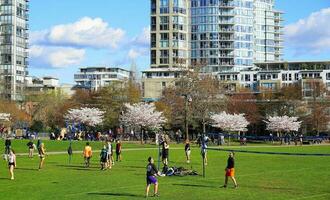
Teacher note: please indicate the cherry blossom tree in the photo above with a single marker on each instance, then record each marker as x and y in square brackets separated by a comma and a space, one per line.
[142, 115]
[230, 122]
[282, 124]
[87, 116]
[4, 117]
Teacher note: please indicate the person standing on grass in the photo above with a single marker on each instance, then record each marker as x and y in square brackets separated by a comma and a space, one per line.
[70, 152]
[165, 151]
[187, 150]
[11, 163]
[118, 150]
[109, 156]
[31, 147]
[7, 147]
[152, 173]
[230, 170]
[42, 153]
[87, 154]
[103, 158]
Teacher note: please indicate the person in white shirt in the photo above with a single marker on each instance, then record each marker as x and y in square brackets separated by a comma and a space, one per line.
[11, 163]
[109, 153]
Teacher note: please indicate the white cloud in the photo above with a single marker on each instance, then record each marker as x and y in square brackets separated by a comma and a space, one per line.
[56, 57]
[86, 32]
[134, 53]
[310, 35]
[143, 39]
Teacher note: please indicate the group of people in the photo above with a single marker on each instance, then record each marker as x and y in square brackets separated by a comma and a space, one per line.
[10, 155]
[107, 160]
[152, 173]
[106, 155]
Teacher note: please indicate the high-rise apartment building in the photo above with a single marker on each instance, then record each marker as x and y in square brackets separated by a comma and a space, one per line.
[13, 47]
[219, 35]
[169, 33]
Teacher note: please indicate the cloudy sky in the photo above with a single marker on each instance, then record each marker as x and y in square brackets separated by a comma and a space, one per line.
[68, 34]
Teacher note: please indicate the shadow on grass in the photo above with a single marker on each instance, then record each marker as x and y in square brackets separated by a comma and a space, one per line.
[78, 167]
[271, 188]
[26, 169]
[134, 167]
[114, 194]
[193, 185]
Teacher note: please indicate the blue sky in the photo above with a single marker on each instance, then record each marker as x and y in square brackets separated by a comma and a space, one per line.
[68, 34]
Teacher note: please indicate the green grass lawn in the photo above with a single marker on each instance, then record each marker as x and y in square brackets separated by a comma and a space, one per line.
[259, 176]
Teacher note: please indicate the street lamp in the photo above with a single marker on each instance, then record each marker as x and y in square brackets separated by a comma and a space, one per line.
[188, 99]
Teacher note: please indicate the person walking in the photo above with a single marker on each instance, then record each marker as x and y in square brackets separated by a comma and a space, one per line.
[187, 151]
[230, 170]
[31, 147]
[11, 163]
[87, 153]
[42, 153]
[152, 173]
[118, 150]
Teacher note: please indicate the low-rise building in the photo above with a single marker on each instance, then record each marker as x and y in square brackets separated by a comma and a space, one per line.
[271, 76]
[35, 84]
[155, 80]
[94, 78]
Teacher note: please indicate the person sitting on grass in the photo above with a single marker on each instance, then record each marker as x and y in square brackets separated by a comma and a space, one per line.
[187, 150]
[87, 154]
[42, 153]
[104, 158]
[230, 170]
[152, 173]
[11, 163]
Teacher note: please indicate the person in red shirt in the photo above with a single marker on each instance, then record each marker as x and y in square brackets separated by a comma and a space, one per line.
[118, 151]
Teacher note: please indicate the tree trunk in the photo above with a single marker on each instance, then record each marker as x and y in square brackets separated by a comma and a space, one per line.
[141, 135]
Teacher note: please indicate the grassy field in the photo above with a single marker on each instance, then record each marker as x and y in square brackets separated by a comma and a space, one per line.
[259, 176]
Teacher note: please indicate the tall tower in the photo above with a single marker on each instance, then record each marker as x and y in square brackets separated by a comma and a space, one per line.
[13, 47]
[233, 34]
[169, 33]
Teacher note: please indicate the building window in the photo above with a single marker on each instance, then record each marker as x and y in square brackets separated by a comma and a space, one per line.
[328, 76]
[153, 23]
[164, 56]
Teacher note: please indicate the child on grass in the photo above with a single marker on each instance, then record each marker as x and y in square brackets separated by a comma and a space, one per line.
[230, 170]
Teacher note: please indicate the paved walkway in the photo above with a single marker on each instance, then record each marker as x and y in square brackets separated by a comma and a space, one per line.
[178, 148]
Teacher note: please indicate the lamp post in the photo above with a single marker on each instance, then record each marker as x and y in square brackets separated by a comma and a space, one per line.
[188, 99]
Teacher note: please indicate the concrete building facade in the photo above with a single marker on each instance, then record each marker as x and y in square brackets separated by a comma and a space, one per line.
[94, 78]
[13, 47]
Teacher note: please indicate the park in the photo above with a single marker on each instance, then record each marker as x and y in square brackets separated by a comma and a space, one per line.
[260, 176]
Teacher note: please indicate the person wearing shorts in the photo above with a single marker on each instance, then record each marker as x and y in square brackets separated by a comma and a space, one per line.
[31, 147]
[104, 158]
[230, 170]
[152, 173]
[11, 163]
[87, 154]
[165, 152]
[187, 151]
[42, 153]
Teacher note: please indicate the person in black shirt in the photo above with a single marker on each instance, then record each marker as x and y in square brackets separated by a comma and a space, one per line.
[230, 170]
[31, 147]
[165, 152]
[7, 146]
[152, 173]
[187, 150]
